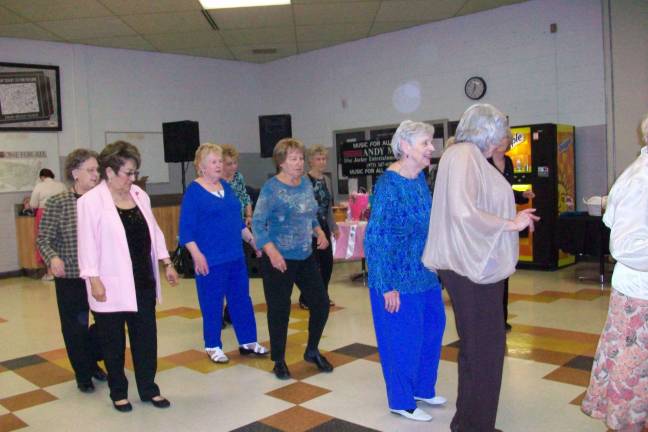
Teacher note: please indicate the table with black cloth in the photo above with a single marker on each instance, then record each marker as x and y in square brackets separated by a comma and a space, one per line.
[582, 234]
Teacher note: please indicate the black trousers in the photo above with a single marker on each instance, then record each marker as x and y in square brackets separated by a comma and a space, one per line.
[505, 302]
[278, 287]
[142, 332]
[81, 343]
[482, 339]
[324, 258]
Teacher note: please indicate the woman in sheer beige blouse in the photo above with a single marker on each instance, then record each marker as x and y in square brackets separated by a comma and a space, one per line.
[473, 246]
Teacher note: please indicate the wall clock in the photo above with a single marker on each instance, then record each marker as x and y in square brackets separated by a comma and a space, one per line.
[475, 87]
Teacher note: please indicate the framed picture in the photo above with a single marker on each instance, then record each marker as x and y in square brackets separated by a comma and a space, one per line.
[30, 98]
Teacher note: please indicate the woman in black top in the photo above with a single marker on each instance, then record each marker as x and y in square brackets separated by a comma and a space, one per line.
[317, 159]
[504, 164]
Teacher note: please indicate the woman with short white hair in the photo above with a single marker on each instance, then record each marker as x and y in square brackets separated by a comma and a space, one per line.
[473, 245]
[618, 388]
[406, 302]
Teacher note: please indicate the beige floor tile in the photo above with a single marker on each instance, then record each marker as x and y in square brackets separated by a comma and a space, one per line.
[12, 384]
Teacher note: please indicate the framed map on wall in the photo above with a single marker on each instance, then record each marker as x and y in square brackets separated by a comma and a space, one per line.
[30, 98]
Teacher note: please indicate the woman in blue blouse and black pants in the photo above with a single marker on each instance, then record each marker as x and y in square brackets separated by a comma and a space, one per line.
[284, 222]
[211, 228]
[408, 310]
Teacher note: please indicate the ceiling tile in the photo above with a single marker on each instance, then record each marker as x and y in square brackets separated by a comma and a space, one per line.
[212, 52]
[417, 10]
[180, 41]
[303, 47]
[328, 13]
[474, 6]
[88, 28]
[325, 1]
[126, 42]
[260, 35]
[27, 31]
[130, 7]
[333, 32]
[52, 10]
[386, 27]
[177, 22]
[244, 53]
[8, 17]
[236, 18]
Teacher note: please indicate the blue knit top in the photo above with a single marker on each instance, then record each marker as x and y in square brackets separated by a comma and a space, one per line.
[286, 215]
[396, 235]
[212, 222]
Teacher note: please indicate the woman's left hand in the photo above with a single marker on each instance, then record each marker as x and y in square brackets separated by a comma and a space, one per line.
[171, 275]
[528, 194]
[336, 231]
[392, 301]
[322, 242]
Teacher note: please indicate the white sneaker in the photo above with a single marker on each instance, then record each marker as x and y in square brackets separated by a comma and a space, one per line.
[216, 355]
[436, 400]
[417, 415]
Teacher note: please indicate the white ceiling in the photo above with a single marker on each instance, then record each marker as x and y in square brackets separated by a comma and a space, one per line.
[179, 26]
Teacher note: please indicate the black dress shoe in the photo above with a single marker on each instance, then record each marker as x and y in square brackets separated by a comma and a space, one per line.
[281, 370]
[320, 361]
[507, 327]
[127, 407]
[160, 403]
[86, 387]
[99, 374]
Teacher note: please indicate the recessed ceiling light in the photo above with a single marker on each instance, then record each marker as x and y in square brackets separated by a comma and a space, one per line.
[226, 4]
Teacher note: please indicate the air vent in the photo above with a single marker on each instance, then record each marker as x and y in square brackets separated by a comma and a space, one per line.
[210, 20]
[264, 51]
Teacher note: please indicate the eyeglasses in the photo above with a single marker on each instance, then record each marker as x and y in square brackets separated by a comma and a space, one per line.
[134, 174]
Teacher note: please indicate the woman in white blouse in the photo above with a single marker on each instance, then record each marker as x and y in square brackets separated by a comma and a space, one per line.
[618, 390]
[473, 246]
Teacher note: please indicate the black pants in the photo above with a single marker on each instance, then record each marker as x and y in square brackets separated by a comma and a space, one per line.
[505, 302]
[81, 344]
[142, 332]
[482, 339]
[278, 287]
[324, 258]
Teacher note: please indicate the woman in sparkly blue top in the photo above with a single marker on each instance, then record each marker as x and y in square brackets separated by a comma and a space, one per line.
[408, 310]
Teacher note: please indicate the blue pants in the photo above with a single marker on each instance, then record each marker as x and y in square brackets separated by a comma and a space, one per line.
[409, 344]
[228, 280]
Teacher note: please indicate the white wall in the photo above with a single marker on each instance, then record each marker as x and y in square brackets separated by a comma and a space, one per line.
[533, 75]
[629, 68]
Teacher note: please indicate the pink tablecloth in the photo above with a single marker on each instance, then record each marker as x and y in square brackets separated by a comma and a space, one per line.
[349, 244]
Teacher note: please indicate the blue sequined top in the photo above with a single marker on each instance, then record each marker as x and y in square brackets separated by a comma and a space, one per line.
[286, 216]
[396, 235]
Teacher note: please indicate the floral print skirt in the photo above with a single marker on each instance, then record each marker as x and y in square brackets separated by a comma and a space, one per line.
[618, 389]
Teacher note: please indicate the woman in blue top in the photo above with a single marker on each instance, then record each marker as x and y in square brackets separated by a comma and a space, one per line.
[284, 222]
[211, 229]
[408, 311]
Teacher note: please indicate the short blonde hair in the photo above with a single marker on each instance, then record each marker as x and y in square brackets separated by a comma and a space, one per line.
[203, 151]
[229, 151]
[644, 129]
[280, 152]
[316, 149]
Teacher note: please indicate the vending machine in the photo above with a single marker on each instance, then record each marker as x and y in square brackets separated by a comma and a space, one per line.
[543, 161]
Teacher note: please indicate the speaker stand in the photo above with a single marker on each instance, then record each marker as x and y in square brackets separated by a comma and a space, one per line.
[182, 166]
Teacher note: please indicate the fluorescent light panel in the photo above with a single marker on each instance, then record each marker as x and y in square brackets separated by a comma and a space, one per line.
[227, 4]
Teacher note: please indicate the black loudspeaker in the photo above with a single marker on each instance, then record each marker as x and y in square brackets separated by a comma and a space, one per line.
[181, 139]
[272, 128]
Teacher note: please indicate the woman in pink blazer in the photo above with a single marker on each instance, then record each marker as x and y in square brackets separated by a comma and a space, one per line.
[120, 244]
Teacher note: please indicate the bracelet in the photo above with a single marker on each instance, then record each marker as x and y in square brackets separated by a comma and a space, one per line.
[169, 264]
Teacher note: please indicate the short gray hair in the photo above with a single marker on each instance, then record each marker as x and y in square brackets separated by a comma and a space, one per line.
[407, 131]
[483, 125]
[644, 129]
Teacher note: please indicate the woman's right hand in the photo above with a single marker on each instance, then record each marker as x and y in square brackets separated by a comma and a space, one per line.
[57, 266]
[524, 219]
[276, 259]
[392, 301]
[200, 263]
[97, 289]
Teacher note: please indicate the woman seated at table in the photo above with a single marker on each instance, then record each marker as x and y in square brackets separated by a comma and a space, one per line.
[408, 310]
[120, 244]
[284, 221]
[211, 228]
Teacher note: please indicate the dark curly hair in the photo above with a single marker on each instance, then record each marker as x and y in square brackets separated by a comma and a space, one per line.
[75, 159]
[115, 156]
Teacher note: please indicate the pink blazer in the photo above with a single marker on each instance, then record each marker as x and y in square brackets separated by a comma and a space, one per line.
[103, 249]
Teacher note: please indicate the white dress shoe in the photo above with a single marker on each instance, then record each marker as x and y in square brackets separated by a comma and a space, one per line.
[418, 414]
[216, 355]
[436, 400]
